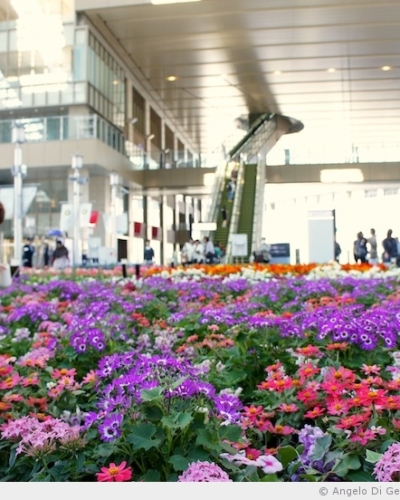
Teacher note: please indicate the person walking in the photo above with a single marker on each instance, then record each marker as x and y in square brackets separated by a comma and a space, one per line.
[60, 259]
[148, 255]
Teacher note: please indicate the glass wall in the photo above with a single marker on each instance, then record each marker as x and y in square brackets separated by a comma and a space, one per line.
[59, 128]
[36, 55]
[106, 83]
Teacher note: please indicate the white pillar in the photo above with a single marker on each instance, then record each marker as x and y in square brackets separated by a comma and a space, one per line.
[18, 171]
[77, 162]
[115, 182]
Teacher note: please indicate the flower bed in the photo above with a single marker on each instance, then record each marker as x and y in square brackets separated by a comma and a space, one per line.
[244, 373]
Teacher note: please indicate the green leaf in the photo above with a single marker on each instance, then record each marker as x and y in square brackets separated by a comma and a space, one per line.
[196, 454]
[152, 476]
[205, 438]
[321, 446]
[352, 461]
[13, 457]
[153, 413]
[179, 462]
[148, 395]
[105, 450]
[270, 478]
[373, 457]
[183, 420]
[340, 468]
[287, 454]
[361, 476]
[230, 433]
[142, 437]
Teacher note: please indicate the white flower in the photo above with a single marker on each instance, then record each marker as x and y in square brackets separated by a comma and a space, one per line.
[269, 464]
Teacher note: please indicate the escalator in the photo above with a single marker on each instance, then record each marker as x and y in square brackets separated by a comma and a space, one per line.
[246, 214]
[221, 233]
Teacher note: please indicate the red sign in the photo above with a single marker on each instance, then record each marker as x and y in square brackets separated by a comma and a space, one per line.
[94, 217]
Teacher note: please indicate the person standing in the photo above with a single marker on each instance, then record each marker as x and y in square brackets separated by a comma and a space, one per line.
[27, 253]
[148, 255]
[198, 253]
[187, 252]
[60, 259]
[389, 248]
[224, 215]
[337, 250]
[209, 250]
[373, 248]
[360, 249]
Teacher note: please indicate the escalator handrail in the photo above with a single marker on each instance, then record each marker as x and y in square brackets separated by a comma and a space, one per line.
[233, 153]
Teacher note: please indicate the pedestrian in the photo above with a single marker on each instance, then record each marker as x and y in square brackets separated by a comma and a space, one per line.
[60, 259]
[148, 254]
[27, 253]
[373, 248]
[224, 215]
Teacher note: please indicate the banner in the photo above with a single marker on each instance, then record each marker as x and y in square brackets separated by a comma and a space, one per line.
[66, 217]
[85, 211]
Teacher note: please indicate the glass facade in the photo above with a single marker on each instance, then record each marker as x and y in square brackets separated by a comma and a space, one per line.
[106, 83]
[46, 60]
[61, 128]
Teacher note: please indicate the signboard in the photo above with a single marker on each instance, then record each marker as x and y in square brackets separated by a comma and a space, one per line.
[321, 234]
[280, 253]
[239, 245]
[280, 250]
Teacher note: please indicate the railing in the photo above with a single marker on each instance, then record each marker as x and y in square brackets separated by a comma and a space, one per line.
[372, 152]
[258, 202]
[216, 193]
[234, 222]
[256, 137]
[65, 127]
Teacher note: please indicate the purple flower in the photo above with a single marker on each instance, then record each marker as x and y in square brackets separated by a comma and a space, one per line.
[110, 429]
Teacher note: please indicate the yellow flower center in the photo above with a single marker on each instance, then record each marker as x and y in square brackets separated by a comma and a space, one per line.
[113, 471]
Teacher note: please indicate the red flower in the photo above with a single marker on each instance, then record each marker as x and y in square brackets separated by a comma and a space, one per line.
[117, 473]
[315, 413]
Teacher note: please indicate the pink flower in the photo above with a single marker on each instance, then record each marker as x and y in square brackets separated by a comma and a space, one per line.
[204, 472]
[269, 464]
[388, 466]
[117, 473]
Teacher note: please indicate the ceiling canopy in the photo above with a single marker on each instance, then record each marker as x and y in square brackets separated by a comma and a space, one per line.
[334, 65]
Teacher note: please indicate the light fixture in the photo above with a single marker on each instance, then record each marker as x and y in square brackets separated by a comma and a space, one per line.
[277, 72]
[164, 2]
[386, 68]
[331, 70]
[115, 82]
[172, 78]
[150, 137]
[133, 121]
